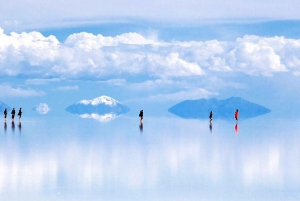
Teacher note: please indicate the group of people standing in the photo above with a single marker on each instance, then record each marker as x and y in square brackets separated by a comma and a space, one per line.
[236, 115]
[13, 113]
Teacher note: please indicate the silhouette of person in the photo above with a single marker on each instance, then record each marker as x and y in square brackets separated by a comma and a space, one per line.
[5, 114]
[236, 115]
[13, 112]
[210, 127]
[210, 116]
[20, 113]
[236, 128]
[141, 115]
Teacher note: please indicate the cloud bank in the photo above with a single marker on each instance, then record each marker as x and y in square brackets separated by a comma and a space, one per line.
[88, 56]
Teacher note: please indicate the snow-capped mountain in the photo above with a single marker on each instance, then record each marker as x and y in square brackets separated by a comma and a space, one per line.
[222, 109]
[101, 105]
[100, 100]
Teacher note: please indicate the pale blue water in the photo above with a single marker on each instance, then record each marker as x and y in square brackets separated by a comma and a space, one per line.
[70, 158]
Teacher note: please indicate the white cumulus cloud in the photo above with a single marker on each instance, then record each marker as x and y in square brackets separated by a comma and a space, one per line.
[8, 91]
[89, 56]
[42, 108]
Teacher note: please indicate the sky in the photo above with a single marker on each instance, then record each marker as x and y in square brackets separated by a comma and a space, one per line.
[149, 54]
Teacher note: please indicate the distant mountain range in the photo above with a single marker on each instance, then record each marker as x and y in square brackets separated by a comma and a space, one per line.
[222, 109]
[3, 106]
[102, 108]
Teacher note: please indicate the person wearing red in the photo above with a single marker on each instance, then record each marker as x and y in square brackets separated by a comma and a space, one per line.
[236, 115]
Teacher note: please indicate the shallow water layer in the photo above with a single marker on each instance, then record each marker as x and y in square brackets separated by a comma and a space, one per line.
[70, 158]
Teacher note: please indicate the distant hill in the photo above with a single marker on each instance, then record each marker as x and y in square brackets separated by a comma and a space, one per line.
[222, 109]
[3, 106]
[101, 105]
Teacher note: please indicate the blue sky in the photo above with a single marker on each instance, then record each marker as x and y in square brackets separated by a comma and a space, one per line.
[149, 54]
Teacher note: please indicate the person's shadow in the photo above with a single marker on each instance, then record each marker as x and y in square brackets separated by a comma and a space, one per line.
[141, 127]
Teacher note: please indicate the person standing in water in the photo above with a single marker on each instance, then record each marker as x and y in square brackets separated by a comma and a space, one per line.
[13, 112]
[5, 114]
[141, 115]
[210, 116]
[236, 115]
[20, 113]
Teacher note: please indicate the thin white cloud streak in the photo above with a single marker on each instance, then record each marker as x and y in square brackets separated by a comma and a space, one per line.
[41, 81]
[68, 88]
[183, 95]
[8, 91]
[192, 94]
[113, 82]
[18, 12]
[88, 56]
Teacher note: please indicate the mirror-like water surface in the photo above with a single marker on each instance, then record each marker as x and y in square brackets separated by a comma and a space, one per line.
[167, 159]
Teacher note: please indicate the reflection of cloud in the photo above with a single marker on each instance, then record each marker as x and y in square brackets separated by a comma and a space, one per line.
[8, 91]
[125, 162]
[100, 117]
[42, 108]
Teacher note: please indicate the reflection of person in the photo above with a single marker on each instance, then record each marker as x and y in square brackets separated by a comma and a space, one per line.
[13, 126]
[236, 128]
[141, 127]
[20, 127]
[210, 116]
[210, 127]
[141, 115]
[5, 127]
[5, 113]
[236, 114]
[13, 112]
[20, 113]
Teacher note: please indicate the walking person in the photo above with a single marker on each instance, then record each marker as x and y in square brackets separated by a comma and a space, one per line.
[5, 114]
[13, 112]
[20, 113]
[236, 115]
[210, 116]
[141, 115]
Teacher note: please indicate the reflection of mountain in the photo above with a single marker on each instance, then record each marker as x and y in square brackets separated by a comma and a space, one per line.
[223, 109]
[103, 108]
[3, 106]
[102, 118]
